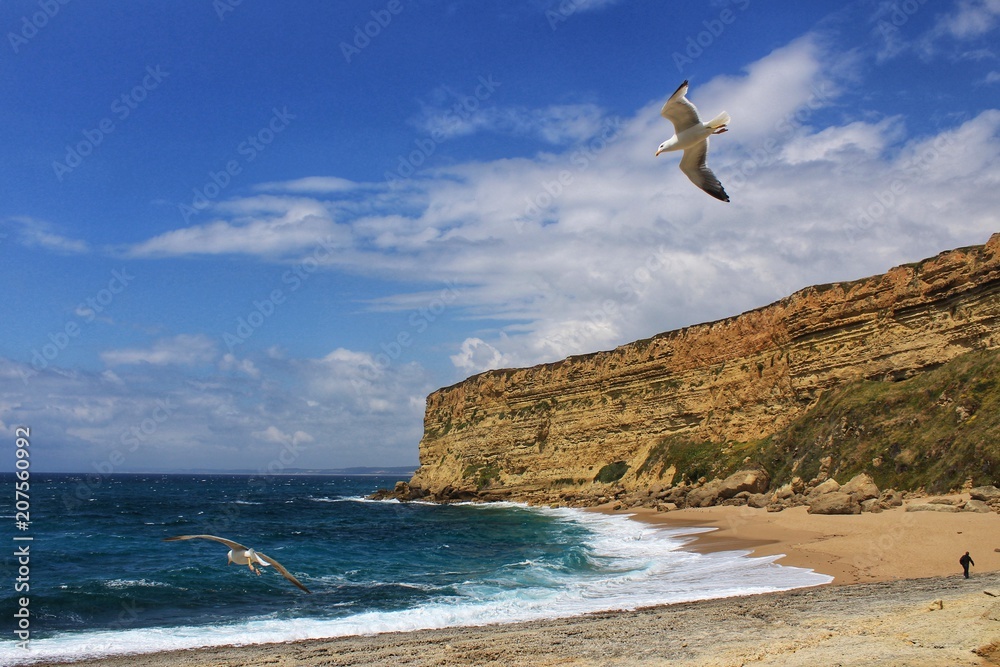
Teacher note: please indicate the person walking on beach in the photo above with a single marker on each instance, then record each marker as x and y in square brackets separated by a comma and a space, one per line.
[965, 561]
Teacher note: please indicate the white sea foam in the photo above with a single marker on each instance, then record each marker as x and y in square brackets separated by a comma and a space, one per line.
[135, 583]
[630, 565]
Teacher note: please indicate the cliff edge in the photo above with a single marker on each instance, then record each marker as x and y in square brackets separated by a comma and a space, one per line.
[601, 419]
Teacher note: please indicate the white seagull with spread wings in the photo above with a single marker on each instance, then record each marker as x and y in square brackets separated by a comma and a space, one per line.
[691, 136]
[242, 555]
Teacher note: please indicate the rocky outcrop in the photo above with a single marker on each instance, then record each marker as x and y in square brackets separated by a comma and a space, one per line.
[748, 482]
[583, 429]
[836, 502]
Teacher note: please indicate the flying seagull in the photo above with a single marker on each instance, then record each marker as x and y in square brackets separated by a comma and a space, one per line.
[691, 136]
[242, 555]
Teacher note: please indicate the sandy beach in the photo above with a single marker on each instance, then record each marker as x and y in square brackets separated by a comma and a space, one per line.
[898, 598]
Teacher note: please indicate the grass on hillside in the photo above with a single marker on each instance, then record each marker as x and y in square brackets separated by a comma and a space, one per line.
[933, 431]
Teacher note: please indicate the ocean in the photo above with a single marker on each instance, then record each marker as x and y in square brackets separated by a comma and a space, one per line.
[100, 580]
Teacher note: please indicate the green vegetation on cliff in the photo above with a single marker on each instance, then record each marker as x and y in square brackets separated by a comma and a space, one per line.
[932, 431]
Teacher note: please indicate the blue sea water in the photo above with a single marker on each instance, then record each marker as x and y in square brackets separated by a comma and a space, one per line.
[102, 580]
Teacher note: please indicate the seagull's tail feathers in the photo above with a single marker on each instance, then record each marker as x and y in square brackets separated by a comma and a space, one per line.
[719, 121]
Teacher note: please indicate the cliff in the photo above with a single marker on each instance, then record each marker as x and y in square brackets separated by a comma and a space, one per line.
[597, 419]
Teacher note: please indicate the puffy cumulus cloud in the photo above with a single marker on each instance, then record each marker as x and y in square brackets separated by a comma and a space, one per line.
[477, 355]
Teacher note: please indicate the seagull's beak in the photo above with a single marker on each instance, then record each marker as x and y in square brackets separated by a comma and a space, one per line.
[658, 151]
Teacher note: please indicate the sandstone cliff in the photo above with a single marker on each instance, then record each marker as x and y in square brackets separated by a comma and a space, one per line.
[532, 433]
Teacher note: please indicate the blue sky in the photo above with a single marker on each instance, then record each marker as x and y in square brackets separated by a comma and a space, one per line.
[256, 235]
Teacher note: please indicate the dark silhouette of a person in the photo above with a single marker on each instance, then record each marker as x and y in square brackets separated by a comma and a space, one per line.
[965, 561]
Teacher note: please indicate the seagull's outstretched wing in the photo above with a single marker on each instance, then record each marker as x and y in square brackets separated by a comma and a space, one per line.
[679, 111]
[694, 166]
[229, 543]
[280, 568]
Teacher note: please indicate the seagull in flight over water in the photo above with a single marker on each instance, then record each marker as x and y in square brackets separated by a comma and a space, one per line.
[242, 555]
[691, 136]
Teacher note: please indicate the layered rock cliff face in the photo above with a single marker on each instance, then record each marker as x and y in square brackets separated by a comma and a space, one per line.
[531, 433]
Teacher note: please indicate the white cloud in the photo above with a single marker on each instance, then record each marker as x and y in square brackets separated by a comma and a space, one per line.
[833, 143]
[275, 435]
[477, 355]
[972, 18]
[556, 124]
[184, 349]
[229, 362]
[157, 416]
[313, 185]
[264, 225]
[33, 233]
[601, 243]
[951, 33]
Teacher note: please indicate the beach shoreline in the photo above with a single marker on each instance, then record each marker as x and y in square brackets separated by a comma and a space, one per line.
[861, 548]
[898, 594]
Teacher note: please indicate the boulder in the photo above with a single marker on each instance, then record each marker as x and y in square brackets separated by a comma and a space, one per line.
[402, 491]
[890, 498]
[758, 500]
[931, 507]
[705, 495]
[871, 505]
[829, 486]
[798, 486]
[745, 481]
[985, 493]
[947, 500]
[862, 487]
[743, 484]
[977, 506]
[783, 492]
[835, 502]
